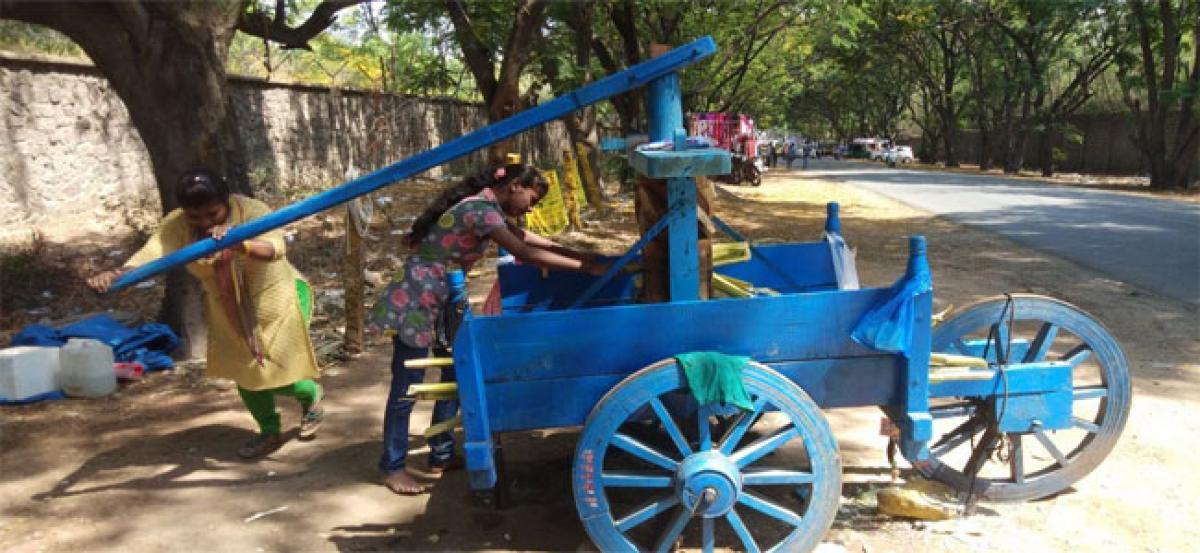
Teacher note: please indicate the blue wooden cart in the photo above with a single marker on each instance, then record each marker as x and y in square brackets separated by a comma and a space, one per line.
[1032, 397]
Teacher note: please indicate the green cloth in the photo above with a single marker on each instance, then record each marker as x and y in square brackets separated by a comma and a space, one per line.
[261, 403]
[715, 377]
[305, 294]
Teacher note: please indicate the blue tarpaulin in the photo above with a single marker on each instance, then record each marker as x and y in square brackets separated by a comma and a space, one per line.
[149, 344]
[888, 325]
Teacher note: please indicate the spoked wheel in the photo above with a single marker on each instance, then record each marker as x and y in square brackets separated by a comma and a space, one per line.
[1028, 465]
[754, 175]
[653, 468]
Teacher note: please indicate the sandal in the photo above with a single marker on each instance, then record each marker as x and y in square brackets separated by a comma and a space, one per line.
[312, 417]
[259, 445]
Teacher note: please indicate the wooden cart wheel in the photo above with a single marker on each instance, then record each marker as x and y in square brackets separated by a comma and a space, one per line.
[1029, 465]
[651, 461]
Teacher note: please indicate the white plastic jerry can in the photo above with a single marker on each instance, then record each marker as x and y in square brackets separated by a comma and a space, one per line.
[87, 368]
[28, 371]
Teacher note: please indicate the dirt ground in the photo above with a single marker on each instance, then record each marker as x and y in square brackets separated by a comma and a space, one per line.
[153, 467]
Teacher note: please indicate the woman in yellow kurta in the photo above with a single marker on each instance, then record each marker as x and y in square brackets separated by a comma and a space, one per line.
[249, 285]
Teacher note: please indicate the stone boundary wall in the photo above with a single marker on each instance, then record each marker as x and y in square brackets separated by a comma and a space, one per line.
[73, 165]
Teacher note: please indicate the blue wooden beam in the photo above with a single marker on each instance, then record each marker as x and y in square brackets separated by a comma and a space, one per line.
[685, 163]
[620, 263]
[664, 108]
[617, 83]
[612, 144]
[683, 239]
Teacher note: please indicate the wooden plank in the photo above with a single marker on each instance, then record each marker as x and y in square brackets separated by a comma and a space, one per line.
[682, 239]
[685, 163]
[849, 382]
[606, 340]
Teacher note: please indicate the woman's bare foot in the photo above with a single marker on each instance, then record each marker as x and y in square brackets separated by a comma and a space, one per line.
[402, 483]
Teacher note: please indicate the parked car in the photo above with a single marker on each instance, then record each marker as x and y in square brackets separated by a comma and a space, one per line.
[898, 154]
[865, 148]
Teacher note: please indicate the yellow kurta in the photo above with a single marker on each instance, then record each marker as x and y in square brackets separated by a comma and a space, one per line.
[287, 351]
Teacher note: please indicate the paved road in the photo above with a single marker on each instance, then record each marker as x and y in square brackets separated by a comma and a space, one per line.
[1148, 242]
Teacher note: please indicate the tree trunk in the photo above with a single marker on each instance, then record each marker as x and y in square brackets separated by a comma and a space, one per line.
[583, 128]
[200, 136]
[150, 52]
[1046, 151]
[502, 106]
[1014, 155]
[183, 310]
[1015, 158]
[500, 88]
[950, 138]
[985, 147]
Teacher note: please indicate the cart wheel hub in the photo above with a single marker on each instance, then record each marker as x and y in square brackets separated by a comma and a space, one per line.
[708, 484]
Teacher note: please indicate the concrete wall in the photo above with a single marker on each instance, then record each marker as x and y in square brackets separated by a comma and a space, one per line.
[72, 164]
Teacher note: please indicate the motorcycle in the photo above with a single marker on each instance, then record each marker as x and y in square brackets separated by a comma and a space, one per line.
[742, 169]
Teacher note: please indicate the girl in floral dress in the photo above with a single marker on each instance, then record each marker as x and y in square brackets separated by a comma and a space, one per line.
[453, 232]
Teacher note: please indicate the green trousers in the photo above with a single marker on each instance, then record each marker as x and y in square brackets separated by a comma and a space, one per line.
[261, 403]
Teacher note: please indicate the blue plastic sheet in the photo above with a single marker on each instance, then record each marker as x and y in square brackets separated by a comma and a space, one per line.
[888, 326]
[33, 399]
[149, 344]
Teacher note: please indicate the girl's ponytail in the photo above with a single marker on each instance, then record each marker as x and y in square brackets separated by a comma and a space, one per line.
[526, 175]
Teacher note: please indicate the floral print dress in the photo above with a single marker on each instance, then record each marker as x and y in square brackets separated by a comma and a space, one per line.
[412, 304]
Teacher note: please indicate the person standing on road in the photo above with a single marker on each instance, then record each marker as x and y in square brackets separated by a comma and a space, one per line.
[257, 331]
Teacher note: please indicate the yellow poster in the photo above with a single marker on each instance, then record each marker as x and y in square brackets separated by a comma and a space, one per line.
[550, 215]
[589, 180]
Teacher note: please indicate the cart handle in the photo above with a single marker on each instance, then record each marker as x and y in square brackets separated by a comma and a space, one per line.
[639, 75]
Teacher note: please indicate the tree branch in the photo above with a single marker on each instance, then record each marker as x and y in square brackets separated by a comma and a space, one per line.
[475, 53]
[256, 23]
[526, 24]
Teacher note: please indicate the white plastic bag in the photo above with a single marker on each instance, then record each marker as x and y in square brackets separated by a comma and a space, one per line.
[843, 262]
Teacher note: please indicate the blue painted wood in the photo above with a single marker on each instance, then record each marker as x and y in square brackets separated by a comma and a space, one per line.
[634, 251]
[683, 239]
[1102, 397]
[639, 75]
[844, 382]
[681, 163]
[664, 107]
[917, 425]
[765, 260]
[612, 144]
[608, 340]
[787, 268]
[477, 426]
[979, 348]
[609, 523]
[728, 230]
[1029, 412]
[1029, 378]
[527, 288]
[833, 224]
